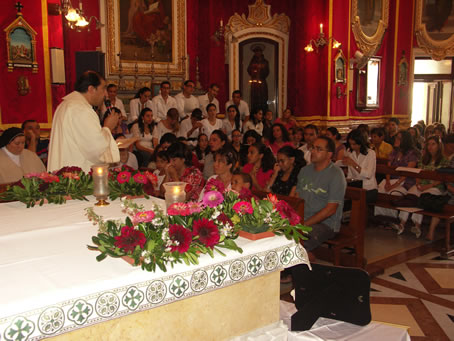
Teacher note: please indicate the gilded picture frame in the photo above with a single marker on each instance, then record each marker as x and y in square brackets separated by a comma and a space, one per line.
[434, 33]
[21, 45]
[340, 67]
[369, 24]
[130, 34]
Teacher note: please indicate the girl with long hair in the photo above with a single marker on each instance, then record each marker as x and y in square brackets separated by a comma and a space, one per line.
[260, 165]
[279, 138]
[143, 130]
[232, 121]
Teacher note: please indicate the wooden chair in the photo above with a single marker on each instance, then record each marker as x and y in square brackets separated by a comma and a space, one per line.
[350, 236]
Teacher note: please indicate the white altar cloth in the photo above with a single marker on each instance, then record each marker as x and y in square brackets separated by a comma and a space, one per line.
[51, 283]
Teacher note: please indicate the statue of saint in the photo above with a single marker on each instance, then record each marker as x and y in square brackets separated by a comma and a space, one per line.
[259, 70]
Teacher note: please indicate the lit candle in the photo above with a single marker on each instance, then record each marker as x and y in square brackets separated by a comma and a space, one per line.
[175, 192]
[101, 190]
[321, 28]
[222, 23]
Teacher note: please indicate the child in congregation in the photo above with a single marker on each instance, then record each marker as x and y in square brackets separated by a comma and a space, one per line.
[162, 162]
[241, 181]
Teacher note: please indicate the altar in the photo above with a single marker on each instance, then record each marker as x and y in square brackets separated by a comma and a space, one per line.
[52, 285]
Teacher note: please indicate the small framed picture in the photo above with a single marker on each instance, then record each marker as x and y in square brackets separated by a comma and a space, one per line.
[403, 71]
[340, 67]
[21, 45]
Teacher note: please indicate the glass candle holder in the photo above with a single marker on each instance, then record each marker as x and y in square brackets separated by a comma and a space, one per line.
[100, 174]
[174, 192]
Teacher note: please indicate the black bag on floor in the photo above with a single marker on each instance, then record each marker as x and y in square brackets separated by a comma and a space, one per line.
[333, 292]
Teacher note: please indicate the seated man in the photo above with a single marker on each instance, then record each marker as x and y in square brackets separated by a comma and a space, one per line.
[33, 140]
[322, 186]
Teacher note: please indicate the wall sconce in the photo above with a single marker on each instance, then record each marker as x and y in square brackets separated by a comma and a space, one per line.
[219, 33]
[74, 16]
[321, 41]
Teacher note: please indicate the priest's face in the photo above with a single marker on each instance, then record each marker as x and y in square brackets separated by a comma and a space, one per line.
[98, 94]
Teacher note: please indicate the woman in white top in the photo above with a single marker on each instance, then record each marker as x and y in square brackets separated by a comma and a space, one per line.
[211, 123]
[232, 121]
[140, 102]
[15, 161]
[255, 123]
[169, 125]
[143, 129]
[361, 162]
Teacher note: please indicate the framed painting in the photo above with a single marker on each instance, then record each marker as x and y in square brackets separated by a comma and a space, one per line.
[146, 36]
[434, 28]
[21, 45]
[340, 67]
[369, 23]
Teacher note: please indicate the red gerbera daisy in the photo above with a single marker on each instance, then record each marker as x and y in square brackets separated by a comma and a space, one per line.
[207, 231]
[130, 238]
[140, 178]
[182, 236]
[123, 177]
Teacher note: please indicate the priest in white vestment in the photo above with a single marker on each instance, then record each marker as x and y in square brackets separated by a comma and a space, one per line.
[77, 139]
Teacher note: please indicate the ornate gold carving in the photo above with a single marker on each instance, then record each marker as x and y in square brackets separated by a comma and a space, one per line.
[437, 49]
[161, 69]
[369, 45]
[259, 16]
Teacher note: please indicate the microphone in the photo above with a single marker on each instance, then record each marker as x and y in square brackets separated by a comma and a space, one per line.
[108, 105]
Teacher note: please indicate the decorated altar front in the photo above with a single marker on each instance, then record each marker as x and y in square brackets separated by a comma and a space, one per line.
[52, 284]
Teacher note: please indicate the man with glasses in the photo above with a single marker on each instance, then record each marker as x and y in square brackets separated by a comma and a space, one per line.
[163, 102]
[322, 186]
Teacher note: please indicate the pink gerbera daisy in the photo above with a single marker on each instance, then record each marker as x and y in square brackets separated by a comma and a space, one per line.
[213, 198]
[179, 208]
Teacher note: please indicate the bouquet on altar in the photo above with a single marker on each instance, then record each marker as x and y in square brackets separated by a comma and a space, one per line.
[56, 187]
[156, 239]
[125, 181]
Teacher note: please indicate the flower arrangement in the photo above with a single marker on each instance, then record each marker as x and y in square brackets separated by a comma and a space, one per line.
[127, 181]
[155, 239]
[51, 187]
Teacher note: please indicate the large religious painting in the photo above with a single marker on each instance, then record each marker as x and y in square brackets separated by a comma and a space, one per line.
[434, 27]
[369, 24]
[146, 36]
[258, 73]
[146, 30]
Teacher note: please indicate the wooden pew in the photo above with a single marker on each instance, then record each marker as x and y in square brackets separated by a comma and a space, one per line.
[447, 214]
[350, 236]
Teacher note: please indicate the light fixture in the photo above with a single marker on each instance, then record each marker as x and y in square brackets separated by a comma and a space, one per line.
[74, 16]
[321, 41]
[219, 33]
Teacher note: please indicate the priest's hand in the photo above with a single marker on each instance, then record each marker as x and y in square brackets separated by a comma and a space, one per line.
[111, 121]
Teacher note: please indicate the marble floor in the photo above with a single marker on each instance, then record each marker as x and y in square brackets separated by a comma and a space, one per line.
[414, 288]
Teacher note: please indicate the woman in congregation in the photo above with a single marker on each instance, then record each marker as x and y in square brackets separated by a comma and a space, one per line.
[202, 149]
[217, 141]
[415, 136]
[287, 119]
[279, 138]
[298, 137]
[404, 155]
[255, 122]
[15, 160]
[267, 125]
[169, 125]
[180, 168]
[361, 162]
[232, 121]
[211, 123]
[138, 103]
[260, 165]
[432, 159]
[225, 161]
[143, 130]
[249, 138]
[334, 135]
[286, 169]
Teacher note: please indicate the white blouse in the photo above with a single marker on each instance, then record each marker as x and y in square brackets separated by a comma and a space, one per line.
[368, 165]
